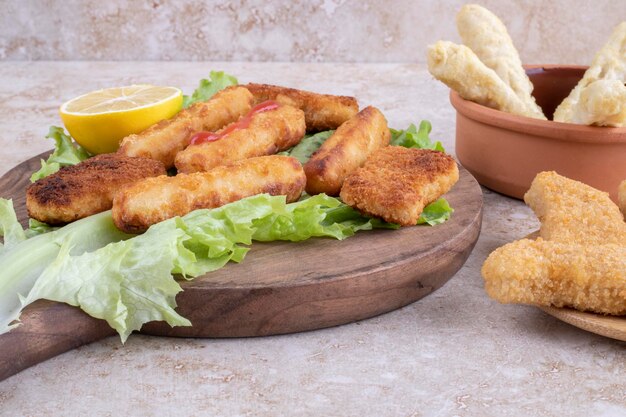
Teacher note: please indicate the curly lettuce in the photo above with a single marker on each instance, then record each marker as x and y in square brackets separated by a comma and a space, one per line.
[66, 152]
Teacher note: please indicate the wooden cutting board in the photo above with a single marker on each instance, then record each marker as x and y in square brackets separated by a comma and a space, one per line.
[280, 287]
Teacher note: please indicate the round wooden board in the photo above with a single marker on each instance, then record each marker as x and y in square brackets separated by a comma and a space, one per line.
[280, 287]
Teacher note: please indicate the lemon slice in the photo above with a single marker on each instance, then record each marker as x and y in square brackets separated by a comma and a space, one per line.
[99, 120]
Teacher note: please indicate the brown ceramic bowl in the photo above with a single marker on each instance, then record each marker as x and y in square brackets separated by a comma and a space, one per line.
[505, 152]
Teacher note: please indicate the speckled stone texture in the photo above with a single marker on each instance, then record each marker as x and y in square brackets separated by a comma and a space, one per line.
[453, 353]
[545, 31]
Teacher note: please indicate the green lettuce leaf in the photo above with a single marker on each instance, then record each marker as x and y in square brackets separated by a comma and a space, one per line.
[35, 227]
[10, 228]
[413, 137]
[218, 80]
[65, 153]
[308, 145]
[436, 212]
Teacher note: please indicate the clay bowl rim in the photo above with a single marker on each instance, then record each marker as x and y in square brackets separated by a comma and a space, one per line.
[548, 129]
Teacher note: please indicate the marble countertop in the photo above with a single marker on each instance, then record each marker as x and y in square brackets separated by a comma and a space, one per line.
[453, 353]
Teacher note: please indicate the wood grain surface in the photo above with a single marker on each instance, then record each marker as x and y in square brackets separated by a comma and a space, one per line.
[280, 287]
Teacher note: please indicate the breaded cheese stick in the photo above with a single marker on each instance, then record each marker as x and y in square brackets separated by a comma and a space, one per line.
[321, 111]
[573, 212]
[608, 64]
[396, 183]
[268, 132]
[153, 200]
[461, 70]
[602, 103]
[86, 188]
[165, 139]
[485, 34]
[621, 197]
[544, 273]
[345, 151]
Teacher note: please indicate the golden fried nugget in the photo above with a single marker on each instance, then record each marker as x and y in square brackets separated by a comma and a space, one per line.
[322, 111]
[165, 139]
[461, 70]
[573, 212]
[485, 34]
[608, 64]
[86, 188]
[396, 183]
[544, 273]
[268, 132]
[346, 150]
[153, 200]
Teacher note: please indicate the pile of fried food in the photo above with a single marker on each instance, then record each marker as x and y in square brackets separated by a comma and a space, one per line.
[578, 261]
[223, 150]
[487, 70]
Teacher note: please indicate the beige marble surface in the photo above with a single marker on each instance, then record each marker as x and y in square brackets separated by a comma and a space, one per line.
[545, 31]
[454, 353]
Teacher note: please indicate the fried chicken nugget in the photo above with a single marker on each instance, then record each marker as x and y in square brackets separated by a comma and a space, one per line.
[268, 132]
[396, 183]
[459, 68]
[322, 111]
[345, 151]
[485, 34]
[573, 212]
[165, 139]
[86, 188]
[544, 273]
[602, 103]
[153, 200]
[608, 64]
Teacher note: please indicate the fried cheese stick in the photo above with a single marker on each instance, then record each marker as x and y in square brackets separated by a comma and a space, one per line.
[602, 103]
[267, 133]
[345, 151]
[485, 34]
[321, 111]
[608, 64]
[621, 197]
[396, 183]
[165, 139]
[573, 212]
[86, 188]
[544, 273]
[153, 200]
[461, 70]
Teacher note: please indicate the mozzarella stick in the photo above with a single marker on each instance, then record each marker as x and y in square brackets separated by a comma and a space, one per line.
[153, 200]
[487, 36]
[165, 139]
[602, 103]
[544, 273]
[461, 70]
[608, 64]
[321, 111]
[268, 132]
[345, 151]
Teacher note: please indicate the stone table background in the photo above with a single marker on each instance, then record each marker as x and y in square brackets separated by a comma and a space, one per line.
[453, 353]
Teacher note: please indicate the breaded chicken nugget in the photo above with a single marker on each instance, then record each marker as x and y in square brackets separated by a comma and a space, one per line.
[602, 103]
[268, 132]
[322, 111]
[346, 150]
[608, 64]
[396, 183]
[487, 36]
[621, 196]
[573, 212]
[153, 200]
[86, 188]
[461, 70]
[165, 139]
[585, 277]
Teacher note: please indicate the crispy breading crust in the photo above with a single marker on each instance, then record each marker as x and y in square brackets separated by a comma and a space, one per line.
[86, 188]
[165, 139]
[485, 34]
[322, 111]
[544, 273]
[346, 150]
[601, 103]
[269, 132]
[621, 196]
[153, 200]
[396, 183]
[573, 212]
